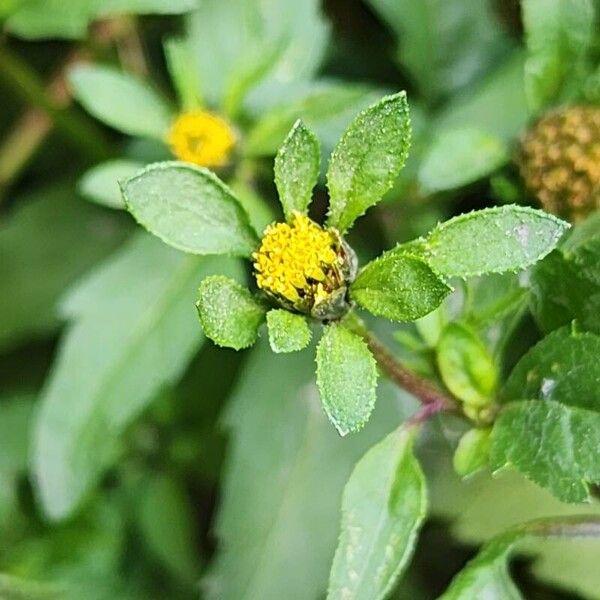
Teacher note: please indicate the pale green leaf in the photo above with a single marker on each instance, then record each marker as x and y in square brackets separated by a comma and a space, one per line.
[189, 208]
[15, 588]
[121, 100]
[367, 159]
[383, 507]
[229, 314]
[398, 287]
[459, 157]
[101, 183]
[180, 61]
[554, 445]
[46, 227]
[283, 480]
[466, 366]
[288, 332]
[563, 367]
[472, 452]
[559, 34]
[492, 240]
[346, 377]
[297, 167]
[133, 331]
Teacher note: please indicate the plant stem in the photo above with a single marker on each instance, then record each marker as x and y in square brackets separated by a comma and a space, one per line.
[25, 82]
[433, 399]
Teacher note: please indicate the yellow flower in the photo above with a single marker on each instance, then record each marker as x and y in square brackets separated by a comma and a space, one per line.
[202, 138]
[304, 267]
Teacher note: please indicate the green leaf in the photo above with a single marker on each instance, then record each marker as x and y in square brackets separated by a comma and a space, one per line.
[487, 576]
[120, 100]
[398, 287]
[472, 452]
[15, 588]
[347, 378]
[297, 167]
[249, 26]
[559, 35]
[47, 226]
[189, 208]
[229, 314]
[466, 366]
[367, 159]
[492, 240]
[133, 331]
[167, 523]
[326, 107]
[101, 183]
[566, 286]
[556, 446]
[36, 19]
[383, 507]
[437, 41]
[180, 61]
[563, 367]
[283, 479]
[459, 157]
[288, 332]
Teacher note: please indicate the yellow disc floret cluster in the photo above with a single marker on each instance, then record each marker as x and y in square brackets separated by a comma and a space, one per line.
[299, 264]
[560, 161]
[202, 138]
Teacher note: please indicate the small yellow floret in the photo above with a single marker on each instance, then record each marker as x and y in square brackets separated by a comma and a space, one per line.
[298, 262]
[202, 138]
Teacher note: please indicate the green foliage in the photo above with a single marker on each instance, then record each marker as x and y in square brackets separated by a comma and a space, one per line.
[288, 332]
[187, 84]
[487, 574]
[34, 242]
[472, 452]
[367, 159]
[190, 209]
[129, 318]
[384, 502]
[347, 378]
[121, 101]
[398, 287]
[459, 157]
[101, 183]
[283, 481]
[297, 167]
[466, 366]
[559, 35]
[562, 367]
[493, 240]
[229, 314]
[556, 446]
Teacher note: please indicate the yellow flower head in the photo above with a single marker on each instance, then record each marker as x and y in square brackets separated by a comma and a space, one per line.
[202, 138]
[304, 267]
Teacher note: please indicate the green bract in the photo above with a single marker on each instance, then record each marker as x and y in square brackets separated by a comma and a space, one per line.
[191, 209]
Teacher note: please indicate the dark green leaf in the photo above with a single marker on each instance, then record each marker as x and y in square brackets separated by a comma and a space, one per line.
[398, 287]
[121, 101]
[347, 378]
[383, 507]
[563, 367]
[487, 576]
[297, 167]
[367, 159]
[466, 366]
[283, 480]
[492, 240]
[189, 208]
[133, 332]
[288, 332]
[101, 183]
[459, 157]
[556, 446]
[34, 241]
[229, 314]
